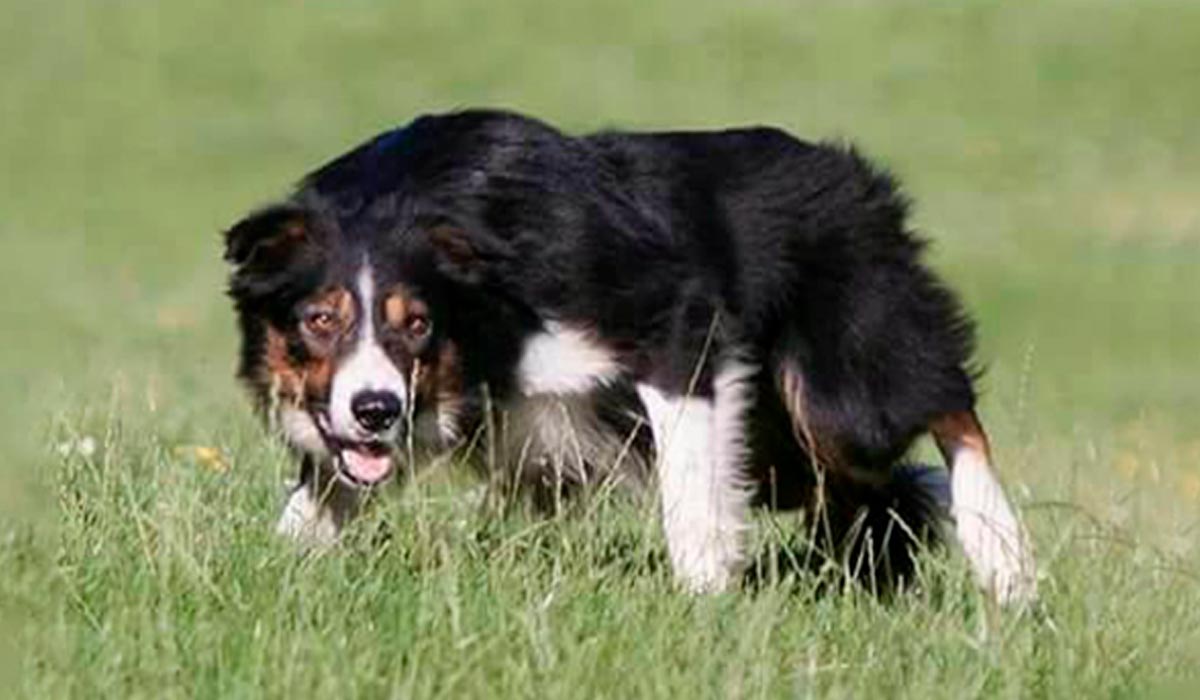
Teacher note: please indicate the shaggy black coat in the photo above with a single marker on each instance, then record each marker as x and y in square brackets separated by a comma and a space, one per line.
[678, 250]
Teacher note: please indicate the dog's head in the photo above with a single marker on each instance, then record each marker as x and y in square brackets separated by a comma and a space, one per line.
[400, 279]
[346, 341]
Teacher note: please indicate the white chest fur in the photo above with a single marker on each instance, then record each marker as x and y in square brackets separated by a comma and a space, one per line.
[563, 360]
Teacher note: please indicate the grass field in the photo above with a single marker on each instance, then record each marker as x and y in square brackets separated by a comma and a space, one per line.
[1054, 154]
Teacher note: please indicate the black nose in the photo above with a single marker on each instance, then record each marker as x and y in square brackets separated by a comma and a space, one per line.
[376, 410]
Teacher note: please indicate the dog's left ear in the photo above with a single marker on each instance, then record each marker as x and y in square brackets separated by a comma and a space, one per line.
[265, 234]
[452, 243]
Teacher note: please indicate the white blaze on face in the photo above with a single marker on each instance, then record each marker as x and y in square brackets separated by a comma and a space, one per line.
[366, 369]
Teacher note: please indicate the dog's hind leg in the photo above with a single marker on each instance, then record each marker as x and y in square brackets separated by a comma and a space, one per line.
[992, 536]
[700, 443]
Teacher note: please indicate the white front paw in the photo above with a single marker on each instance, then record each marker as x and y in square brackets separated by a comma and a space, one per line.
[305, 521]
[705, 559]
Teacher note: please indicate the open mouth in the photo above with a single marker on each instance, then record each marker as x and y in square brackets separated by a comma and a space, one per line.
[358, 463]
[364, 463]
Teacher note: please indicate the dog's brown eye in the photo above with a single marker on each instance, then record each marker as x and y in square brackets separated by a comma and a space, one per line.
[417, 326]
[320, 321]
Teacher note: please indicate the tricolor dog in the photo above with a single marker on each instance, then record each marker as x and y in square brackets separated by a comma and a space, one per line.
[754, 306]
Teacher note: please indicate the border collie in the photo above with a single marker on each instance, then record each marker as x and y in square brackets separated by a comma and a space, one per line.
[759, 303]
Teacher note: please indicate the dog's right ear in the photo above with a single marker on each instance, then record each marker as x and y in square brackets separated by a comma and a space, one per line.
[457, 255]
[266, 234]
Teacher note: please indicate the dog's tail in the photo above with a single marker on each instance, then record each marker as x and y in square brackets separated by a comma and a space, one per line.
[872, 521]
[883, 528]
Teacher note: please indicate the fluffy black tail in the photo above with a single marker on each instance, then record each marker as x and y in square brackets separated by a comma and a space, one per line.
[876, 532]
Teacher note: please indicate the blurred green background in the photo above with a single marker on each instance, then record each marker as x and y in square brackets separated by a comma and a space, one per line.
[1052, 150]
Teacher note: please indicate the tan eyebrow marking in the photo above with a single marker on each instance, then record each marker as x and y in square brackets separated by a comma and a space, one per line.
[399, 307]
[395, 309]
[338, 301]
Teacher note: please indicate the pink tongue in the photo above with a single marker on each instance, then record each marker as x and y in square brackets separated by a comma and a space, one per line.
[367, 467]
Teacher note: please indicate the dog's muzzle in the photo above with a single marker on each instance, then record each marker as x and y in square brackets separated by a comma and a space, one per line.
[363, 463]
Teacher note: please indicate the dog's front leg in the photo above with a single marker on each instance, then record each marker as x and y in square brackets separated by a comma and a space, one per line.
[700, 442]
[317, 508]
